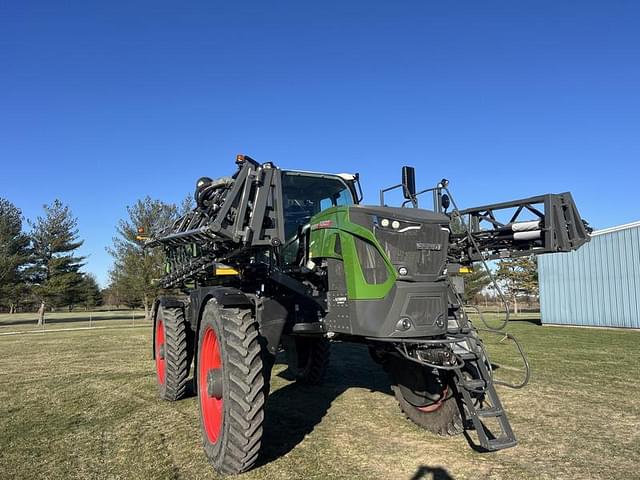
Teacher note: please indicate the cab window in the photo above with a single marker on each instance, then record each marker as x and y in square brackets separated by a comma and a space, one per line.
[306, 194]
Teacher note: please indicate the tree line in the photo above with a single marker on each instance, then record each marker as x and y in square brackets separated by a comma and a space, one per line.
[517, 278]
[40, 267]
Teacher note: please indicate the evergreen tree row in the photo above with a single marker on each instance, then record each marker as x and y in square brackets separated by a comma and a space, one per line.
[41, 268]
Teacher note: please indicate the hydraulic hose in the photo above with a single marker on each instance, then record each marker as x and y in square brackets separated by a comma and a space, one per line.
[504, 323]
[500, 330]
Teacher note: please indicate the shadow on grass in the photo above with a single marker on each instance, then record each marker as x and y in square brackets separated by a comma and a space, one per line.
[532, 320]
[431, 473]
[293, 411]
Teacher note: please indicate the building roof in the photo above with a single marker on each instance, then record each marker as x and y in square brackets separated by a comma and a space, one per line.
[616, 229]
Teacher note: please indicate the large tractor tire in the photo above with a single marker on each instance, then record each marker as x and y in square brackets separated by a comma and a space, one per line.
[172, 352]
[307, 358]
[427, 398]
[230, 387]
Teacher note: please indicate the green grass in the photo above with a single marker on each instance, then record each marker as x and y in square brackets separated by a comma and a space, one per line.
[82, 404]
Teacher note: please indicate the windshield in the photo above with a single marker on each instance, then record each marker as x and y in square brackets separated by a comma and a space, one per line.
[305, 194]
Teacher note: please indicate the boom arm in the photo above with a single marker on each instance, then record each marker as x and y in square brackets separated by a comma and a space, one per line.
[232, 214]
[236, 210]
[552, 224]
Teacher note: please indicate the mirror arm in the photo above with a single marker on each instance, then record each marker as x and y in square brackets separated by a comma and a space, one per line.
[425, 191]
[437, 193]
[386, 190]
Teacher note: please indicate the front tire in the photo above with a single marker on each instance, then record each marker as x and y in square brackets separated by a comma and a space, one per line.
[426, 398]
[444, 419]
[172, 356]
[230, 388]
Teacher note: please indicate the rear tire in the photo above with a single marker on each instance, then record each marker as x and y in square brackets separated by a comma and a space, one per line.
[172, 353]
[307, 358]
[230, 388]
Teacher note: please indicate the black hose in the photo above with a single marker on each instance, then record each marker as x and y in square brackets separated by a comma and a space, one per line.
[495, 330]
[523, 355]
[484, 264]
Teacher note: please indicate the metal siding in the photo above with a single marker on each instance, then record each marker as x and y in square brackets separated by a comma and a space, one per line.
[597, 285]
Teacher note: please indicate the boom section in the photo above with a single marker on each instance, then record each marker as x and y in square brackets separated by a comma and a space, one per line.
[531, 226]
[239, 209]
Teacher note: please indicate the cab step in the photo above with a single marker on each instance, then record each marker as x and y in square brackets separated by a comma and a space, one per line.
[308, 328]
[482, 389]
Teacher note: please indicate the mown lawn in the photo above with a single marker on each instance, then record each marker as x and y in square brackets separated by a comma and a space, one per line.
[82, 404]
[28, 322]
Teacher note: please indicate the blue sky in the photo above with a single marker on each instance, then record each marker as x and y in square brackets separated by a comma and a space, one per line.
[102, 103]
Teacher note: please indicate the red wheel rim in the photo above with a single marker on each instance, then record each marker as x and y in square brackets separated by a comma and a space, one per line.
[210, 406]
[435, 406]
[160, 361]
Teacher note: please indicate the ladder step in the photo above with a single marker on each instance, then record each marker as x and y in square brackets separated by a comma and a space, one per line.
[500, 443]
[476, 384]
[490, 412]
[309, 328]
[491, 437]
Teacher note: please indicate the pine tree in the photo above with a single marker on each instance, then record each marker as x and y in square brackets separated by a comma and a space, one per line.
[135, 269]
[478, 279]
[518, 276]
[91, 294]
[55, 271]
[474, 282]
[14, 255]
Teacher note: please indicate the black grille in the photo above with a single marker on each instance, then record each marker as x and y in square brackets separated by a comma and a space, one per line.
[422, 249]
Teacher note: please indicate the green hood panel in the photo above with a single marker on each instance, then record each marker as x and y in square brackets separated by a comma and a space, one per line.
[333, 235]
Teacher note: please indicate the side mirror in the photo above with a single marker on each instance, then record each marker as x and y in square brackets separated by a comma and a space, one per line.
[408, 182]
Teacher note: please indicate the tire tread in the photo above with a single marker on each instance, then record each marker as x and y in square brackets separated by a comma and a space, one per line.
[176, 356]
[242, 440]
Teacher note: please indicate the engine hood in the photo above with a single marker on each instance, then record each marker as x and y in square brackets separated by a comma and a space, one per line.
[408, 214]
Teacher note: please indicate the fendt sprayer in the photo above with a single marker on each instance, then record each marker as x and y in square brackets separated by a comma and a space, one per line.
[272, 259]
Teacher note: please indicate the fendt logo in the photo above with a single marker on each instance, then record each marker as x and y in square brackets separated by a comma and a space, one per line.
[428, 246]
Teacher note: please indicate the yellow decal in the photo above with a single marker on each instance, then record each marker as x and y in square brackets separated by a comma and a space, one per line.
[226, 271]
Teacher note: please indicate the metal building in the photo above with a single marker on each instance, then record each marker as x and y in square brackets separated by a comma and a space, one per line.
[597, 285]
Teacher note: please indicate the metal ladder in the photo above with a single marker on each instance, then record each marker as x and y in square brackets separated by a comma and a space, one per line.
[466, 387]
